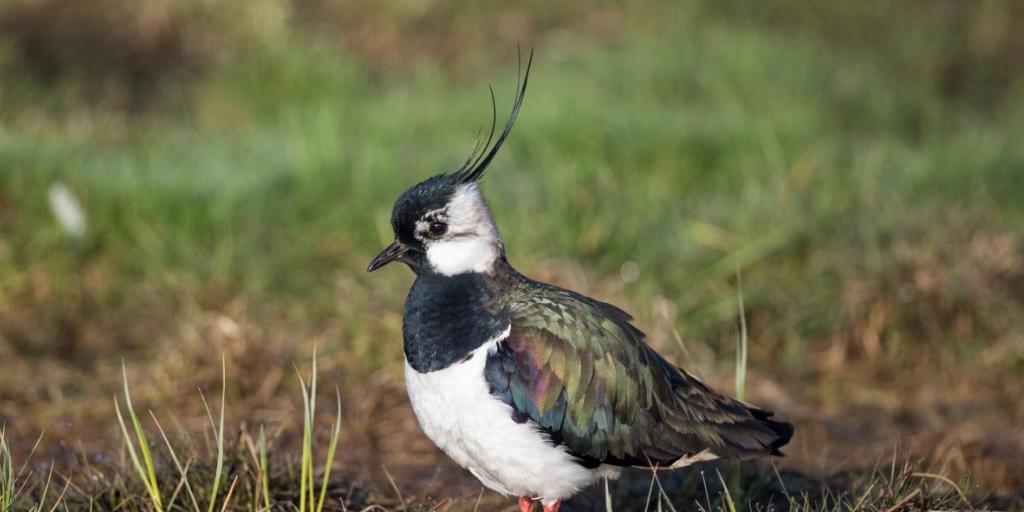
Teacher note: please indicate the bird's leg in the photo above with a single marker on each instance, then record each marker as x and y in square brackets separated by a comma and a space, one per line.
[525, 504]
[553, 506]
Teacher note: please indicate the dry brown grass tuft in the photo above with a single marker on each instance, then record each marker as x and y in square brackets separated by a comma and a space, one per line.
[128, 54]
[450, 32]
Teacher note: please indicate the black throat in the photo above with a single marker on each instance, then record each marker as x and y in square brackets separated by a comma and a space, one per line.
[448, 317]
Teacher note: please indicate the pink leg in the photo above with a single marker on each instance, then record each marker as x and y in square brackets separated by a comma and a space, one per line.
[525, 504]
[553, 507]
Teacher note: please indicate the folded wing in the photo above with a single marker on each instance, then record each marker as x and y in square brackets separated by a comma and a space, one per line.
[582, 372]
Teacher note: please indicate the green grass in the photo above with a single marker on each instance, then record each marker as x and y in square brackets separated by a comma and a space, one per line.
[15, 483]
[307, 480]
[8, 480]
[740, 148]
[158, 477]
[139, 445]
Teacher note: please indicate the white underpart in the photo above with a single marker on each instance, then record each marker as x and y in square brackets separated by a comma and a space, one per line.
[472, 243]
[458, 413]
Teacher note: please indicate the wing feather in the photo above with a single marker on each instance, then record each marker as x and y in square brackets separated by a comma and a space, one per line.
[583, 373]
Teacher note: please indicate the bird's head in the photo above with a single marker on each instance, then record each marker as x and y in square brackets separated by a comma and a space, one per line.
[443, 224]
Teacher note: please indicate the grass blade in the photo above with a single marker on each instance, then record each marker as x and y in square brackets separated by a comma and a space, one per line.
[7, 484]
[218, 435]
[144, 465]
[741, 340]
[329, 462]
[264, 470]
[729, 504]
[312, 414]
[182, 471]
[306, 456]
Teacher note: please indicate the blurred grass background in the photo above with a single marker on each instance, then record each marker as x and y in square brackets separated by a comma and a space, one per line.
[860, 163]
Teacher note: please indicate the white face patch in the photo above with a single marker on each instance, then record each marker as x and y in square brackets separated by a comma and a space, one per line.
[471, 243]
[460, 256]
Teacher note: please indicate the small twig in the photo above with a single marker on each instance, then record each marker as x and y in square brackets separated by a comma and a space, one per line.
[24, 465]
[948, 481]
[661, 492]
[707, 493]
[394, 486]
[375, 507]
[906, 499]
[227, 499]
[478, 498]
[785, 491]
[181, 483]
[892, 468]
[60, 498]
[865, 495]
[650, 492]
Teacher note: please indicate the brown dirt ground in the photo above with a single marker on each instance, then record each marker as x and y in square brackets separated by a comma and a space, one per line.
[964, 423]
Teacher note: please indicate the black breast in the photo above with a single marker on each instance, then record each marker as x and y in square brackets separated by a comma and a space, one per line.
[448, 317]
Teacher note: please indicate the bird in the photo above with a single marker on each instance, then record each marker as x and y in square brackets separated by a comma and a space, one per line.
[536, 390]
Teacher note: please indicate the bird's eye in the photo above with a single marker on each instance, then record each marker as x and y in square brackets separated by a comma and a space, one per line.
[438, 228]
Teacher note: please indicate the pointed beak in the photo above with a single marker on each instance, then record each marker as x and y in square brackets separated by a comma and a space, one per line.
[393, 252]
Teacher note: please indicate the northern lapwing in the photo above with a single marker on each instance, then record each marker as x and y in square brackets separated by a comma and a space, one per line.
[540, 391]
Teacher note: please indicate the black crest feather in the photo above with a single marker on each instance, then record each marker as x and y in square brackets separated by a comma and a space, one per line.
[475, 165]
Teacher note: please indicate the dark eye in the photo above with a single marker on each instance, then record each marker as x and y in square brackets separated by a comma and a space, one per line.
[438, 228]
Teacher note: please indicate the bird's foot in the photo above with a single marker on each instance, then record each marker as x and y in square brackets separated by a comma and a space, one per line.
[553, 506]
[525, 504]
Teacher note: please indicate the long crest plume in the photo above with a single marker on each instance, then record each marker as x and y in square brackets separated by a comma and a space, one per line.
[478, 160]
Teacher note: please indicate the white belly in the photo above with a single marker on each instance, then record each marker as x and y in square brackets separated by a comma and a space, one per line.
[458, 413]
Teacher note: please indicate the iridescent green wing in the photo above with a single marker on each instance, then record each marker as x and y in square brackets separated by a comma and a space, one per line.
[582, 372]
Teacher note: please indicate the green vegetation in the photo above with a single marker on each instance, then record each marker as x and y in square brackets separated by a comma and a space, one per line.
[860, 165]
[253, 494]
[737, 147]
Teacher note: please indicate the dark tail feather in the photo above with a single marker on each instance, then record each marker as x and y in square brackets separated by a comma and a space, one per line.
[783, 431]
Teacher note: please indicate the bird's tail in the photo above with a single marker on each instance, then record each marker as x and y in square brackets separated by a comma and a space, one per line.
[783, 431]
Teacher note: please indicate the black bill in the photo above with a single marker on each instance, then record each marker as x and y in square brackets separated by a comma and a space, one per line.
[393, 252]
